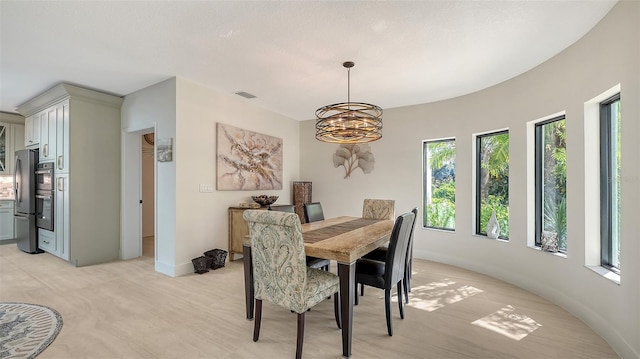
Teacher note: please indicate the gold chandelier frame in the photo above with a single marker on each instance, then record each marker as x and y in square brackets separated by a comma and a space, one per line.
[349, 122]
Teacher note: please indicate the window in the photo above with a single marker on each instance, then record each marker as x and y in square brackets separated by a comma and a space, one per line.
[439, 181]
[492, 181]
[551, 180]
[610, 182]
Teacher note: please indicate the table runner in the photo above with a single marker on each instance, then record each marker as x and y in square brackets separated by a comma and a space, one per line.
[320, 234]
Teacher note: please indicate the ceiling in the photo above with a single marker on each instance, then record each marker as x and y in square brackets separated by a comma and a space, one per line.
[287, 53]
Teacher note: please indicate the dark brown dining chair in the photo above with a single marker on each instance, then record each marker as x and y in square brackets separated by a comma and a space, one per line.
[380, 254]
[391, 272]
[280, 274]
[313, 213]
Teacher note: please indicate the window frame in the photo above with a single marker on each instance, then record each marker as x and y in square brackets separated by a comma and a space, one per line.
[425, 143]
[538, 182]
[606, 186]
[478, 172]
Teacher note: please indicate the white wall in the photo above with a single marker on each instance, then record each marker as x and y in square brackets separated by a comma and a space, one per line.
[189, 222]
[608, 55]
[149, 108]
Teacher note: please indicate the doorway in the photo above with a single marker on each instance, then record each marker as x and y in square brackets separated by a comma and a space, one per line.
[131, 220]
[148, 194]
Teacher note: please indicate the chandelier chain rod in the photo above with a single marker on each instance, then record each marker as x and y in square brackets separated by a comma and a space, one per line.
[348, 87]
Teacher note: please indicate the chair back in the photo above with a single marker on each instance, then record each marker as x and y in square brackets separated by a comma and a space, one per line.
[279, 262]
[410, 245]
[398, 245]
[283, 208]
[378, 208]
[313, 212]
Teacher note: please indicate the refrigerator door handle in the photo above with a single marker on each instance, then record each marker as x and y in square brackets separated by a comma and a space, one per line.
[16, 184]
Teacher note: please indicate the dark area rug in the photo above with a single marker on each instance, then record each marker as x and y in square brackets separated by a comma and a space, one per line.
[26, 329]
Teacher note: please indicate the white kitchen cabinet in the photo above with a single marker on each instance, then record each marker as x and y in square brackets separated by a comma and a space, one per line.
[61, 225]
[48, 135]
[6, 148]
[87, 170]
[32, 130]
[62, 137]
[17, 132]
[11, 140]
[6, 220]
[47, 241]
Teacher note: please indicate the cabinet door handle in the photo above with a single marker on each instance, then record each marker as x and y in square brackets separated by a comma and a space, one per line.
[46, 242]
[60, 184]
[59, 162]
[46, 150]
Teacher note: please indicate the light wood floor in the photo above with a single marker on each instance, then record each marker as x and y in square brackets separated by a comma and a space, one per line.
[126, 310]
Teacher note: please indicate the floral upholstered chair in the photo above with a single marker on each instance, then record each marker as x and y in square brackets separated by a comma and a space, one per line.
[280, 272]
[378, 209]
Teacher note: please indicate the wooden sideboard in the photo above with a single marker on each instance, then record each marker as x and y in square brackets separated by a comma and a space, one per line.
[238, 230]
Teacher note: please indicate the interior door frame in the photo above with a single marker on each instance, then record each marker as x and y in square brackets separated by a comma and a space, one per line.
[131, 194]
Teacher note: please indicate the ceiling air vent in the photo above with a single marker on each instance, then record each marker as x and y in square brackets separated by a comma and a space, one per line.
[245, 94]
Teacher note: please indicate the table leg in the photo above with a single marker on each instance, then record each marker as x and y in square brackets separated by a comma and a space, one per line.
[347, 274]
[248, 280]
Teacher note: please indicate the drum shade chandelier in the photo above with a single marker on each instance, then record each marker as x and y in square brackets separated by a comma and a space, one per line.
[349, 122]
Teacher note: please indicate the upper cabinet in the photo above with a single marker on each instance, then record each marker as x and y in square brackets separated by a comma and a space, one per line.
[32, 131]
[5, 147]
[11, 140]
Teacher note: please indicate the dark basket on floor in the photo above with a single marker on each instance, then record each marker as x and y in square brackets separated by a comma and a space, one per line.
[201, 264]
[218, 256]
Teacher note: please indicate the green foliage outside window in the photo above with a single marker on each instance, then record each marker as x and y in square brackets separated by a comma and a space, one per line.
[493, 180]
[440, 186]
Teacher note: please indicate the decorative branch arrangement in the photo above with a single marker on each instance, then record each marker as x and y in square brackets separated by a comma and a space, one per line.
[352, 156]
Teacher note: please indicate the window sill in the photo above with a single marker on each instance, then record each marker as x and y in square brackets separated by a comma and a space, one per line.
[557, 254]
[606, 273]
[491, 239]
[440, 229]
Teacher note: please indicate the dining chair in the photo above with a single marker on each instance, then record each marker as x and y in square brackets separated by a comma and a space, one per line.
[378, 208]
[289, 208]
[280, 273]
[391, 272]
[313, 212]
[312, 262]
[380, 254]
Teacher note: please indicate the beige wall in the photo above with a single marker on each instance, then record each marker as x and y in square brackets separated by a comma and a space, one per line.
[201, 218]
[607, 56]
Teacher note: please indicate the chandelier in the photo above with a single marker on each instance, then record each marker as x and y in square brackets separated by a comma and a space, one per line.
[349, 122]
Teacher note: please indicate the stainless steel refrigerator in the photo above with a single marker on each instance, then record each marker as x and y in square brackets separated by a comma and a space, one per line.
[24, 185]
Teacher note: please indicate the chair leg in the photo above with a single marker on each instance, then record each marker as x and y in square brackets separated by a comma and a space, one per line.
[405, 284]
[400, 303]
[362, 290]
[300, 336]
[387, 308]
[257, 319]
[355, 299]
[336, 309]
[409, 274]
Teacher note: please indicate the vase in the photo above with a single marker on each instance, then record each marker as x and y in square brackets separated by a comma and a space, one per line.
[493, 227]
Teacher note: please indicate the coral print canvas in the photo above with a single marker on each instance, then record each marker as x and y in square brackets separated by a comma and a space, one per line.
[248, 160]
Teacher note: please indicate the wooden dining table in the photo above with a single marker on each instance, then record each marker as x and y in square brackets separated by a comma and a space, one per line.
[343, 239]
